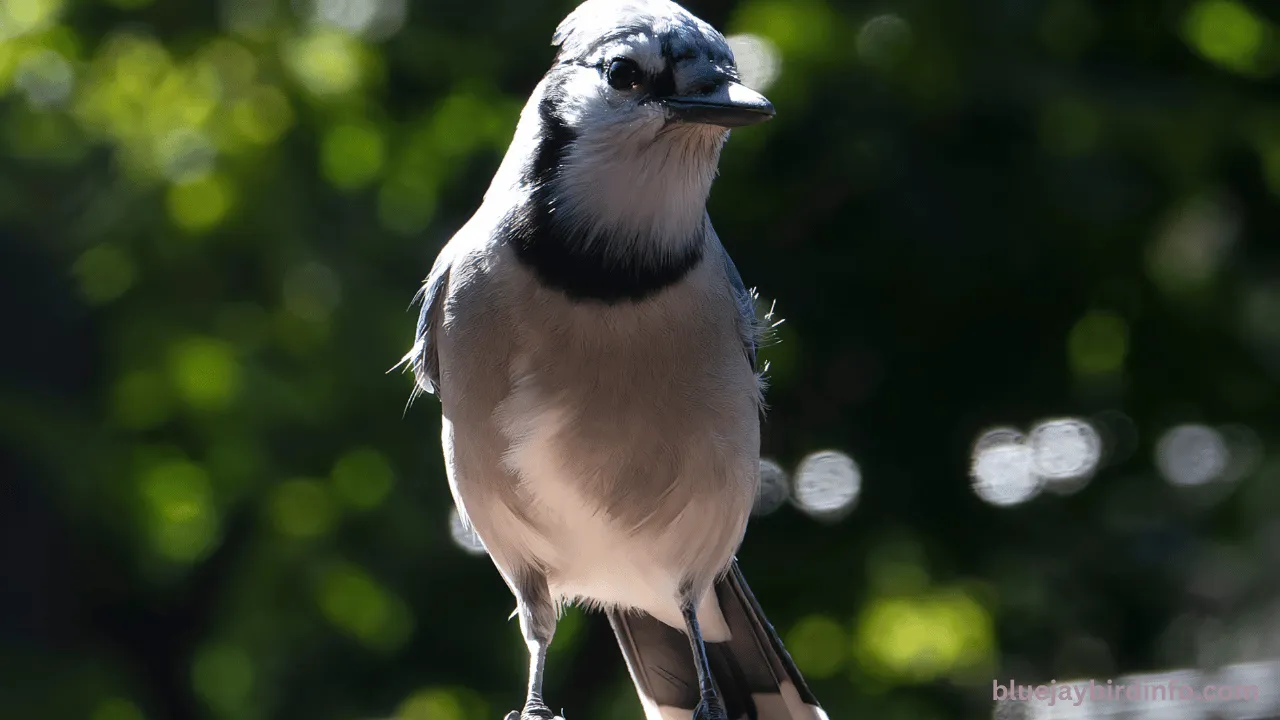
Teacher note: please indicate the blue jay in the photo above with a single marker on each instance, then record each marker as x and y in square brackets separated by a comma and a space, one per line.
[594, 352]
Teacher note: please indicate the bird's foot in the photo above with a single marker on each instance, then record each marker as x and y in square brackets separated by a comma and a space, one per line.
[710, 709]
[533, 711]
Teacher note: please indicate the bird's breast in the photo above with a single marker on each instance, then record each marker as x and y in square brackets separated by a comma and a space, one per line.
[639, 408]
[639, 474]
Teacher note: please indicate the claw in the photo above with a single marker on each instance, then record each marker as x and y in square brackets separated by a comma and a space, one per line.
[710, 711]
[532, 713]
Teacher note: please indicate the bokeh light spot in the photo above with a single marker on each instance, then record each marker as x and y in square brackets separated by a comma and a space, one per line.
[1194, 245]
[818, 645]
[1098, 344]
[183, 521]
[352, 155]
[1189, 455]
[827, 484]
[1225, 32]
[363, 478]
[105, 273]
[374, 19]
[201, 204]
[19, 17]
[759, 62]
[46, 78]
[234, 63]
[921, 639]
[205, 372]
[1003, 468]
[325, 62]
[186, 156]
[797, 29]
[350, 15]
[463, 536]
[302, 509]
[222, 674]
[363, 609]
[1065, 449]
[884, 40]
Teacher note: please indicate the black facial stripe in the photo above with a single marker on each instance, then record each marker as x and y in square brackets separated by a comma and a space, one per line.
[663, 84]
[582, 267]
[554, 140]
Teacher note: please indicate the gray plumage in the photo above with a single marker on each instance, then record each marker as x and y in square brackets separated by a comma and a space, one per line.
[593, 348]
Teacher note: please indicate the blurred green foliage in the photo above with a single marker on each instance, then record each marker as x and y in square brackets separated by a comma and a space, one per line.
[214, 214]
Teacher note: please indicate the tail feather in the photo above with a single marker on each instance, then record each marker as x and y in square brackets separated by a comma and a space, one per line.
[754, 674]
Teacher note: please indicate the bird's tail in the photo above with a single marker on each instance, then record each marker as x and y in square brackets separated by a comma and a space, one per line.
[755, 676]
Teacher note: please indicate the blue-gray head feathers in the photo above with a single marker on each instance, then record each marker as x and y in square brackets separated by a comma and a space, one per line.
[661, 28]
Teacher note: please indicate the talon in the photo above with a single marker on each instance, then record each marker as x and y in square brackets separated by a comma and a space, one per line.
[534, 712]
[710, 710]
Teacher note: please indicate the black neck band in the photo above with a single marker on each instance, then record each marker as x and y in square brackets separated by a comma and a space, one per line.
[578, 265]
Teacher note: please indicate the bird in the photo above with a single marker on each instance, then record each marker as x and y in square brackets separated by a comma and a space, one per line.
[594, 351]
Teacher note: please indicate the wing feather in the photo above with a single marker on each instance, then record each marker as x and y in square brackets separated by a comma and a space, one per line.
[423, 358]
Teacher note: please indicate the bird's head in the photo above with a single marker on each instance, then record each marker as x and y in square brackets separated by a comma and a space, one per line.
[625, 129]
[649, 66]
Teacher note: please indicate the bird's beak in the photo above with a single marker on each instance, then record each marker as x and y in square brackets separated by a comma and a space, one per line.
[730, 105]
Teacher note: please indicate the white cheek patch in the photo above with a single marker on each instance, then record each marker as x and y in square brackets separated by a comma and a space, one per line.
[584, 98]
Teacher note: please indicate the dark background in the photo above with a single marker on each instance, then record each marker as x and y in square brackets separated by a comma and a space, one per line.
[972, 215]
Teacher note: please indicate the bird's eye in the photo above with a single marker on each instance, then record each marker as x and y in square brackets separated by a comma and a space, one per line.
[623, 74]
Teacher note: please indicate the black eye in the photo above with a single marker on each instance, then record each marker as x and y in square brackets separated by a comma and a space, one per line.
[623, 74]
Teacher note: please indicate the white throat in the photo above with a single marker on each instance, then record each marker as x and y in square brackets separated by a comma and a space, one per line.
[640, 188]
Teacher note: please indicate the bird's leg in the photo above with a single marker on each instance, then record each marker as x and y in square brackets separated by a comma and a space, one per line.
[709, 706]
[534, 707]
[538, 625]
